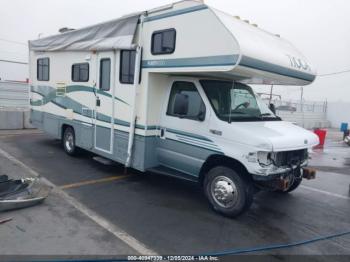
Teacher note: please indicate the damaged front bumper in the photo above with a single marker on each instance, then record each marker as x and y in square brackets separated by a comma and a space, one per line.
[276, 172]
[16, 194]
[283, 178]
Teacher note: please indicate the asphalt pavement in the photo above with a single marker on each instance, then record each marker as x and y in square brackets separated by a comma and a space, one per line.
[167, 215]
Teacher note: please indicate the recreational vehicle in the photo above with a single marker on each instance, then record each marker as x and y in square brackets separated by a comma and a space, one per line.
[168, 91]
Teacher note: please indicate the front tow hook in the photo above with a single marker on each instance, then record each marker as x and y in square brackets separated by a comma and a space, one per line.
[309, 173]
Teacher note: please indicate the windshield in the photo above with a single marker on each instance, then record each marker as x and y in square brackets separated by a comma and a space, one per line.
[233, 101]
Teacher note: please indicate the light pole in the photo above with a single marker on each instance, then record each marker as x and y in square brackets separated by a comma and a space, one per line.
[301, 105]
[271, 91]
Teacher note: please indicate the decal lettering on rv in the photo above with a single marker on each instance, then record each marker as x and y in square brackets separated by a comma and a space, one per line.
[156, 63]
[298, 63]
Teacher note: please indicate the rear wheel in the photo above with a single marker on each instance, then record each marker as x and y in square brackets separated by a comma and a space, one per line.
[68, 141]
[227, 191]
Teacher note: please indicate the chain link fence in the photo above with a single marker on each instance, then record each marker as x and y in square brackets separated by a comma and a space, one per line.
[308, 114]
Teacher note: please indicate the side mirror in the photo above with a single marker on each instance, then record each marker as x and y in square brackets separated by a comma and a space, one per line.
[181, 105]
[272, 107]
[201, 115]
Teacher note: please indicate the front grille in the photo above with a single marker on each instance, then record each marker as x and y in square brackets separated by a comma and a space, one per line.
[288, 158]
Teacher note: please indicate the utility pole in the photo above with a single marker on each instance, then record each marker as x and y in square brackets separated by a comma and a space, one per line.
[301, 98]
[13, 62]
[271, 92]
[301, 104]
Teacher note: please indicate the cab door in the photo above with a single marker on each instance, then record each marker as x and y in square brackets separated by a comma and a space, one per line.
[104, 106]
[183, 143]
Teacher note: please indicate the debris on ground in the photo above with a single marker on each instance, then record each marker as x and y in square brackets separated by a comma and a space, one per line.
[5, 220]
[21, 193]
[3, 178]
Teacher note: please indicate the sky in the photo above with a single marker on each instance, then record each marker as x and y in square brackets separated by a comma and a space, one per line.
[320, 29]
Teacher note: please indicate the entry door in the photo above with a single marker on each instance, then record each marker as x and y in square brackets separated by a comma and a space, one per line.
[183, 145]
[104, 106]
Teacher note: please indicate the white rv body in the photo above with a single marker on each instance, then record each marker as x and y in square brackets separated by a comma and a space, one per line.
[209, 45]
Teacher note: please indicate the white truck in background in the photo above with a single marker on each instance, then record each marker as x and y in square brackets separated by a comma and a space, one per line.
[167, 91]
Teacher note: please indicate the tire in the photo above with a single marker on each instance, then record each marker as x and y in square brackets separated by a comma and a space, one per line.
[218, 183]
[294, 186]
[68, 142]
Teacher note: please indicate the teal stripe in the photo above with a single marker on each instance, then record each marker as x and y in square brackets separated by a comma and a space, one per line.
[276, 69]
[192, 142]
[195, 140]
[107, 119]
[81, 121]
[178, 132]
[224, 60]
[42, 90]
[183, 142]
[152, 127]
[36, 92]
[77, 88]
[127, 124]
[216, 151]
[175, 13]
[66, 102]
[50, 91]
[35, 102]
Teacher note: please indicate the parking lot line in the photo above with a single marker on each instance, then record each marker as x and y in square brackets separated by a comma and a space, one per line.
[11, 133]
[101, 221]
[95, 181]
[325, 192]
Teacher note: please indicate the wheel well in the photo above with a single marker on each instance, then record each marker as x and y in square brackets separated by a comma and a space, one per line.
[64, 127]
[220, 160]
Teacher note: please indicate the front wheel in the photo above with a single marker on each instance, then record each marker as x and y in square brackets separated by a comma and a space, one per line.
[227, 191]
[68, 141]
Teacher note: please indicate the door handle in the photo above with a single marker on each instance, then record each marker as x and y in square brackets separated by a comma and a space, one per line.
[162, 133]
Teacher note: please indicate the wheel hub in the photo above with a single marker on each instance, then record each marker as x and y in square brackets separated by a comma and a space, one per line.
[224, 191]
[69, 142]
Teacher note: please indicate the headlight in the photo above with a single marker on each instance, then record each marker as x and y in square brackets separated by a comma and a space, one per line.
[264, 158]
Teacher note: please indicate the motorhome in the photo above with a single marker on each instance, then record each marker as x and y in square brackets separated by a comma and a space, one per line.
[168, 91]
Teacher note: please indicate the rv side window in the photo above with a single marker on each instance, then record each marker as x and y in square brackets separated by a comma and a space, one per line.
[163, 42]
[43, 69]
[127, 66]
[105, 74]
[80, 72]
[186, 102]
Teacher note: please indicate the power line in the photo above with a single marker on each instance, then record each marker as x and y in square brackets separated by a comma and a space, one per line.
[13, 62]
[13, 52]
[336, 73]
[14, 42]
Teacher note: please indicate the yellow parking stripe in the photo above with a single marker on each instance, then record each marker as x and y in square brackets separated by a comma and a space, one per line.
[96, 181]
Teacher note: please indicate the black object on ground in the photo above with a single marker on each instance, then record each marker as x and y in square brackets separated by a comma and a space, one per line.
[3, 178]
[5, 220]
[16, 194]
[12, 187]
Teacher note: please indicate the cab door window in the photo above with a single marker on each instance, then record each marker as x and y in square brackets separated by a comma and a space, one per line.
[186, 102]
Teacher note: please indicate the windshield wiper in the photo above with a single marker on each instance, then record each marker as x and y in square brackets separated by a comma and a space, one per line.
[266, 114]
[239, 113]
[270, 116]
